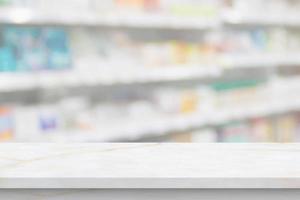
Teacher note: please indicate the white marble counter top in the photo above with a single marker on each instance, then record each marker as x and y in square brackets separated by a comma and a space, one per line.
[150, 165]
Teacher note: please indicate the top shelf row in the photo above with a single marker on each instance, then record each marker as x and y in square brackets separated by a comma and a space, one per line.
[157, 14]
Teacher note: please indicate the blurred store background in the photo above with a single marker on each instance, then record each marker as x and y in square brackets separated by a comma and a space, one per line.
[149, 70]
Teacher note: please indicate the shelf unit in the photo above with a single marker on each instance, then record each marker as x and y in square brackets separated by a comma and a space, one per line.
[44, 80]
[21, 16]
[132, 131]
[139, 75]
[24, 16]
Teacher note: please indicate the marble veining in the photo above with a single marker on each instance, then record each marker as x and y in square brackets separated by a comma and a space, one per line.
[149, 165]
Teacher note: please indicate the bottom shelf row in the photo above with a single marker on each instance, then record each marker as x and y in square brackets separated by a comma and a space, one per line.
[281, 129]
[267, 127]
[154, 114]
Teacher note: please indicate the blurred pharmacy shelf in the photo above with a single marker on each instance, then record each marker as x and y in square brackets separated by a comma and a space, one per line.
[260, 60]
[239, 19]
[138, 128]
[136, 75]
[47, 45]
[23, 16]
[281, 98]
[73, 78]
